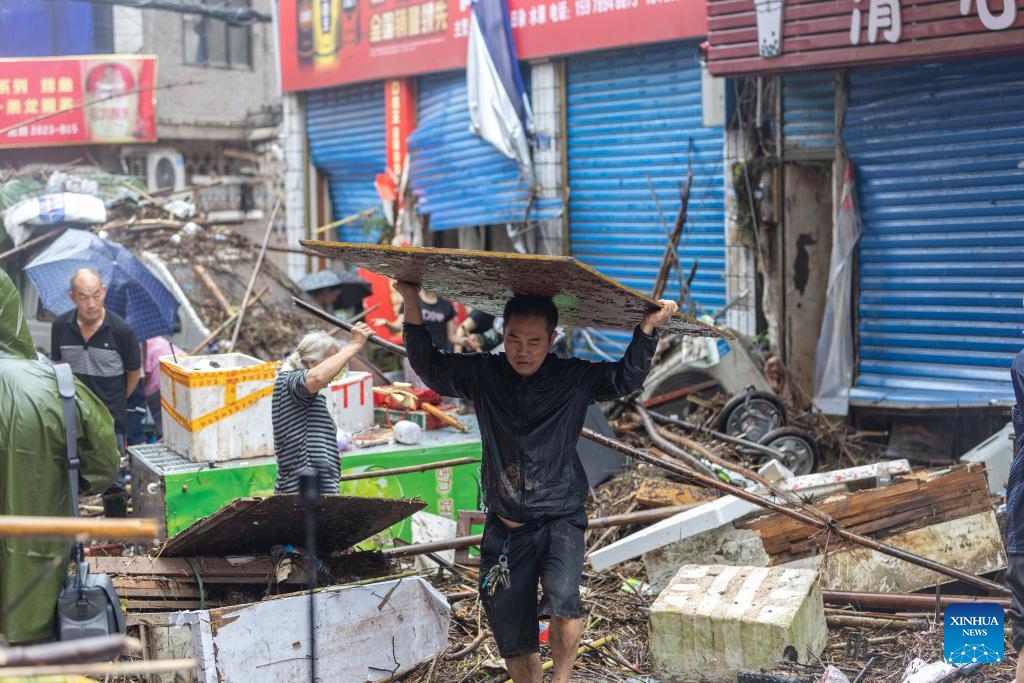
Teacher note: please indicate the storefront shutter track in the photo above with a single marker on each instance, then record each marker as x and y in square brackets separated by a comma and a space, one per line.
[808, 115]
[632, 116]
[459, 179]
[346, 141]
[938, 151]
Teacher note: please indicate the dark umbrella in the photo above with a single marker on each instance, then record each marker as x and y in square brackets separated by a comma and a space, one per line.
[133, 292]
[353, 288]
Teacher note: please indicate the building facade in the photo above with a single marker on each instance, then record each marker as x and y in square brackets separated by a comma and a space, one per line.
[922, 101]
[214, 94]
[622, 109]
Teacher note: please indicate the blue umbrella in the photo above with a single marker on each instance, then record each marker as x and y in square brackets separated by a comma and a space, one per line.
[133, 292]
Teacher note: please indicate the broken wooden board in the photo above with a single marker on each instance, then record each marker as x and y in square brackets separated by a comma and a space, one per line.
[911, 502]
[972, 544]
[371, 632]
[252, 526]
[485, 280]
[655, 493]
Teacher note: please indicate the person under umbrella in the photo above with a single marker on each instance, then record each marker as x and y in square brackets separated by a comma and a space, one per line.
[336, 290]
[132, 291]
[104, 354]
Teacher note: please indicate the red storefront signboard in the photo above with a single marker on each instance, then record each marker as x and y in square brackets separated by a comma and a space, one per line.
[77, 100]
[333, 42]
[775, 36]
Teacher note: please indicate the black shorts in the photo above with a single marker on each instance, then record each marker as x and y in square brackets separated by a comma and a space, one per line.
[551, 552]
[1015, 582]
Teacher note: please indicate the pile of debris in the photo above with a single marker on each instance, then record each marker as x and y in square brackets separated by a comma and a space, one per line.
[880, 615]
[205, 263]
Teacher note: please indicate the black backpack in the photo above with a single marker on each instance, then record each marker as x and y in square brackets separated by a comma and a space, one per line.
[88, 605]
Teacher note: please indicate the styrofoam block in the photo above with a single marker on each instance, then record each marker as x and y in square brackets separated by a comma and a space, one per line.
[713, 621]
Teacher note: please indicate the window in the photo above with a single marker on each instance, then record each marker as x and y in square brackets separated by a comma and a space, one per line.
[216, 43]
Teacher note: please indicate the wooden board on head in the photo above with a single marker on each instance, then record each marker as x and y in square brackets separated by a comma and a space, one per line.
[485, 280]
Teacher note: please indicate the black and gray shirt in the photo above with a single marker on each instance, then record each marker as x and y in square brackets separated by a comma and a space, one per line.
[102, 362]
[304, 434]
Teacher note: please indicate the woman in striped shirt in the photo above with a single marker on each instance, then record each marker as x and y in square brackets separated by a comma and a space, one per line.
[304, 431]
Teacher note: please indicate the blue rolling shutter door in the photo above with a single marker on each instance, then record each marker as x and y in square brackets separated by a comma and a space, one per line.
[345, 127]
[937, 149]
[632, 115]
[808, 114]
[459, 179]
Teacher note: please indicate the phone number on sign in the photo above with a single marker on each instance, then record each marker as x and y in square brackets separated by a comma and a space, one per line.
[43, 130]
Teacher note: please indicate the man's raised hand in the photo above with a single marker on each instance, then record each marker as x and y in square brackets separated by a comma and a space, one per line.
[656, 317]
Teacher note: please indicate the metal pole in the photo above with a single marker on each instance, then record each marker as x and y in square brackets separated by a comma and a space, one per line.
[334, 320]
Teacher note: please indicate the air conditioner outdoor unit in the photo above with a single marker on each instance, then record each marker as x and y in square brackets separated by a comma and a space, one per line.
[165, 169]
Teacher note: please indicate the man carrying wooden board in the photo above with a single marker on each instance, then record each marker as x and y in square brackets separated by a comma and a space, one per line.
[531, 405]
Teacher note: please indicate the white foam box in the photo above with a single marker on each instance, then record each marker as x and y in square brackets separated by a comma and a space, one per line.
[350, 400]
[217, 407]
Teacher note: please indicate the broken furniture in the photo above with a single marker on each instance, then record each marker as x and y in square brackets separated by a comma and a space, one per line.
[243, 550]
[240, 553]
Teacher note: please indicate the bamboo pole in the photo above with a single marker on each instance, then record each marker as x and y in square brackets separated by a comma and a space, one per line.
[255, 272]
[857, 621]
[824, 524]
[45, 237]
[411, 468]
[67, 651]
[141, 666]
[74, 527]
[344, 221]
[904, 601]
[213, 288]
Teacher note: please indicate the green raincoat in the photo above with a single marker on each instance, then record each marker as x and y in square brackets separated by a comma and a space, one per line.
[33, 467]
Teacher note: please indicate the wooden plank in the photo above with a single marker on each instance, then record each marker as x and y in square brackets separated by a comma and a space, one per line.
[208, 567]
[142, 604]
[485, 280]
[661, 493]
[170, 588]
[880, 513]
[252, 526]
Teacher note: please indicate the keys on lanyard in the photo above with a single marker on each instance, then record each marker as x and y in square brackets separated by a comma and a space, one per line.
[499, 574]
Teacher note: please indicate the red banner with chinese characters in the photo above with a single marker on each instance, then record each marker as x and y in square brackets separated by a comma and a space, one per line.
[400, 114]
[332, 42]
[748, 37]
[77, 100]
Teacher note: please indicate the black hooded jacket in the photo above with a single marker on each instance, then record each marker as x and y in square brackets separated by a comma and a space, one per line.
[530, 425]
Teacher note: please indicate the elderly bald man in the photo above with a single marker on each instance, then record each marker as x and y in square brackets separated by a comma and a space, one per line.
[104, 353]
